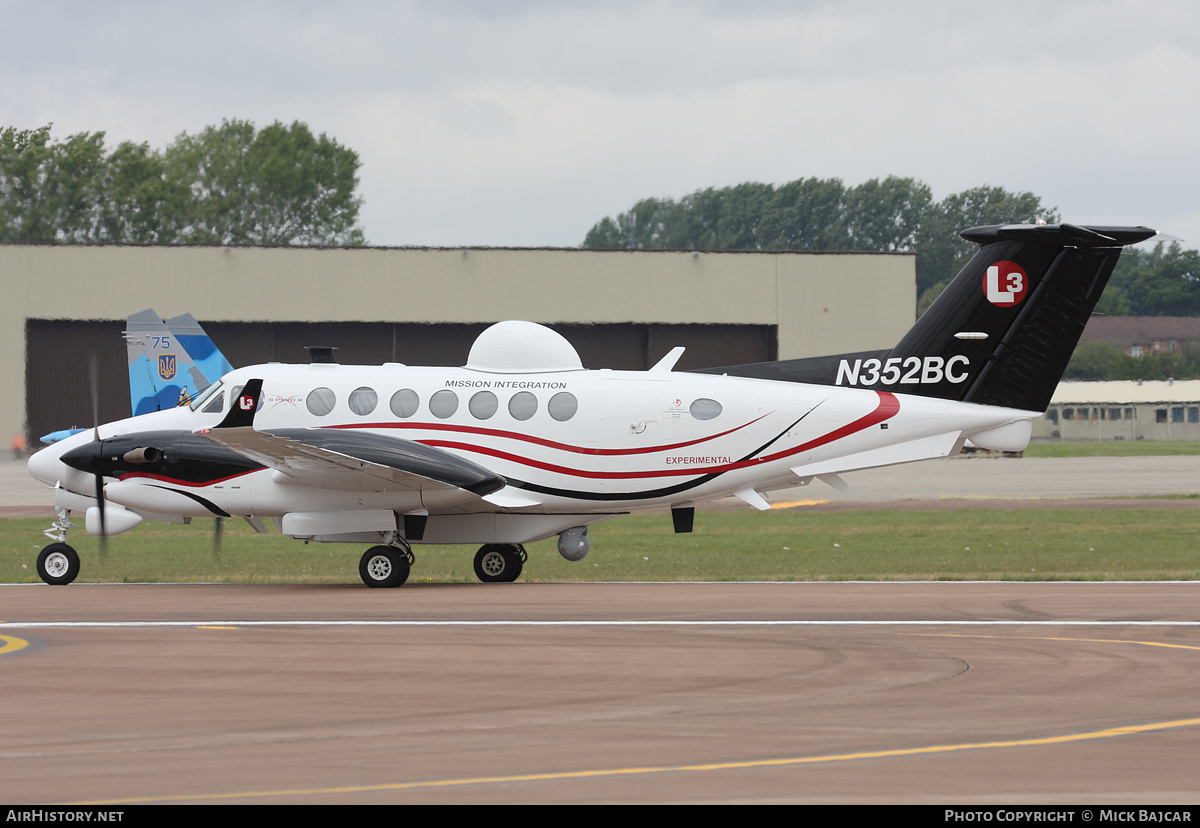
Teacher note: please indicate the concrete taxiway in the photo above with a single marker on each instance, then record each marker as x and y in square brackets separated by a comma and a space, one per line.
[829, 692]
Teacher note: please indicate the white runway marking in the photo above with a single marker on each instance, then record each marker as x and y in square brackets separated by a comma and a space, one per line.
[26, 625]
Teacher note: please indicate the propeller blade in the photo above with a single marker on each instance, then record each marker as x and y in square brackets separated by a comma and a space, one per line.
[217, 524]
[103, 524]
[94, 375]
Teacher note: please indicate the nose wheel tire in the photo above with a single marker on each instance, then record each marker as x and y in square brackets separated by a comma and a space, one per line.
[384, 566]
[498, 563]
[58, 564]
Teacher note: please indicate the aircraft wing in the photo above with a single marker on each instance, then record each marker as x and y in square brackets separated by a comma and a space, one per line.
[334, 458]
[346, 459]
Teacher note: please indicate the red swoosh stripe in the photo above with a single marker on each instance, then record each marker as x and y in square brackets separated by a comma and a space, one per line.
[887, 408]
[513, 435]
[189, 483]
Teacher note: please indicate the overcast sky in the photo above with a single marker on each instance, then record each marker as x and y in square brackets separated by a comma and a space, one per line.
[524, 123]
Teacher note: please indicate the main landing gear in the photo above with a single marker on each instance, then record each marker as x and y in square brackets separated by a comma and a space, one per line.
[497, 563]
[386, 566]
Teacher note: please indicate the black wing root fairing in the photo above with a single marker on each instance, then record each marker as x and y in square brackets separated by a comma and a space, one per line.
[405, 456]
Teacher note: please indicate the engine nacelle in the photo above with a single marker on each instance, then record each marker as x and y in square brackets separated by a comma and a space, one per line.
[573, 544]
[147, 497]
[116, 520]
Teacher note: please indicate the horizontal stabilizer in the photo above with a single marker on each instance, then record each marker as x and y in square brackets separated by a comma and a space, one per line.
[926, 448]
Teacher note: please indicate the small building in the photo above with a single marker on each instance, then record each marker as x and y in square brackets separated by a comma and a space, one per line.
[1125, 410]
[1143, 335]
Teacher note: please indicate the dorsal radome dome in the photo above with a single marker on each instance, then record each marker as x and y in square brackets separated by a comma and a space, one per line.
[522, 348]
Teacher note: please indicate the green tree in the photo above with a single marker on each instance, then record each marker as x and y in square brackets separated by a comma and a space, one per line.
[886, 215]
[141, 205]
[49, 192]
[230, 184]
[642, 227]
[806, 214]
[892, 214]
[1164, 281]
[280, 185]
[23, 201]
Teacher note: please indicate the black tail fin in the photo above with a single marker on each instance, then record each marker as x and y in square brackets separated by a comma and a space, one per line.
[243, 406]
[1000, 334]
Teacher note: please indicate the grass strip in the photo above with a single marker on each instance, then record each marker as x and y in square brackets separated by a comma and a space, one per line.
[782, 545]
[1112, 448]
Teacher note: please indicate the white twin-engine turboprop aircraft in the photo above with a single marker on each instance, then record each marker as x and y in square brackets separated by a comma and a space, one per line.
[522, 443]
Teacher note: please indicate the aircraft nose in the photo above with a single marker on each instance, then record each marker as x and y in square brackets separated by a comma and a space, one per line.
[86, 458]
[44, 466]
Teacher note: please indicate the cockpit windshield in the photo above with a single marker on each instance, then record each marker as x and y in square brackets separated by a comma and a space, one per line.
[204, 395]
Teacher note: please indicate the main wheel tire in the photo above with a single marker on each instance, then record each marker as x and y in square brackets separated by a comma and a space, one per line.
[498, 563]
[383, 566]
[58, 564]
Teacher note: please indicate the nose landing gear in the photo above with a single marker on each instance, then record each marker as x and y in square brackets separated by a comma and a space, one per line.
[58, 564]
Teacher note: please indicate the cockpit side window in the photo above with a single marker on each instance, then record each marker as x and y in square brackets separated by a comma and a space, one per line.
[216, 403]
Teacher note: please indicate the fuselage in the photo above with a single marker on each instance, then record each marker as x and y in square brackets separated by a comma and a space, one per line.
[573, 442]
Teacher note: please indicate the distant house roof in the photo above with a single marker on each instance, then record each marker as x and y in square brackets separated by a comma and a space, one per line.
[1126, 391]
[1126, 331]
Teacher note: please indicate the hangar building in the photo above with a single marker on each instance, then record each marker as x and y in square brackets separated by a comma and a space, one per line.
[424, 306]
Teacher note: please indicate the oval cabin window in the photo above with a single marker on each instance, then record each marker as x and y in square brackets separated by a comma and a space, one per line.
[405, 402]
[443, 404]
[320, 401]
[563, 406]
[362, 401]
[483, 405]
[523, 405]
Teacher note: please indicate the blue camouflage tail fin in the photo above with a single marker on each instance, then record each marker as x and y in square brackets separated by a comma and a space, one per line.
[204, 353]
[169, 362]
